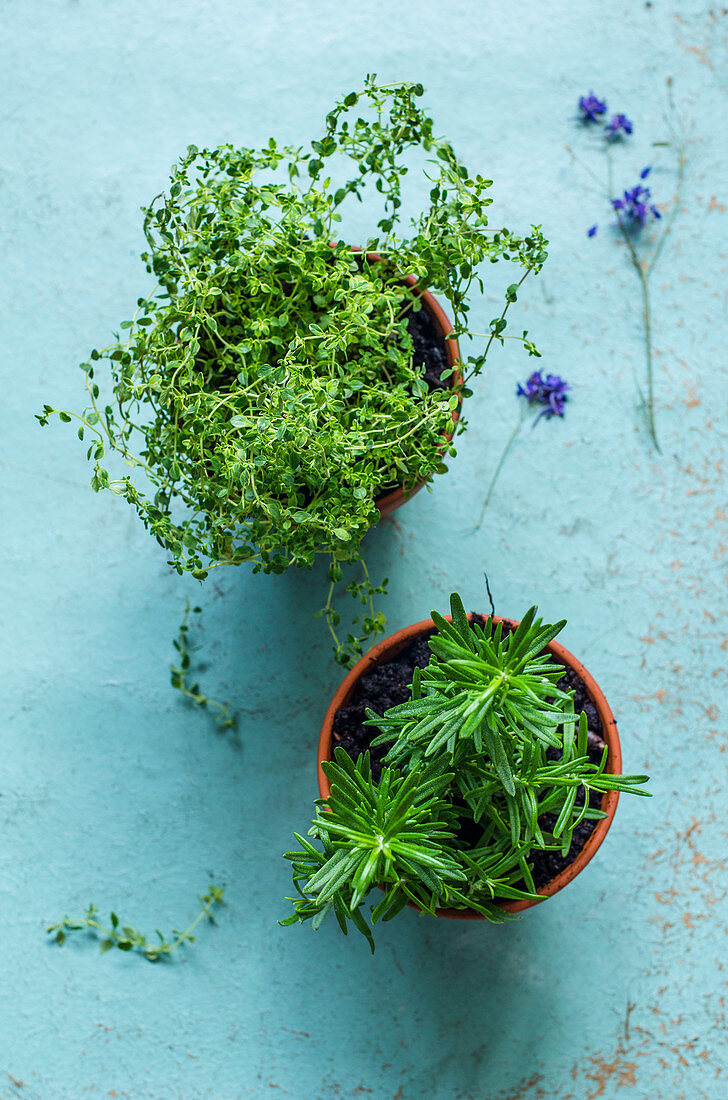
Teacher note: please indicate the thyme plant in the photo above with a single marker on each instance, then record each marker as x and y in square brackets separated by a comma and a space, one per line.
[487, 764]
[265, 394]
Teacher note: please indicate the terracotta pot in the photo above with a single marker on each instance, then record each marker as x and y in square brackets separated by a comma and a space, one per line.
[388, 649]
[389, 502]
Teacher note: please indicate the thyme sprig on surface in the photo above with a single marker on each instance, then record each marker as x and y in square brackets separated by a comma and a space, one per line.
[488, 763]
[265, 393]
[126, 938]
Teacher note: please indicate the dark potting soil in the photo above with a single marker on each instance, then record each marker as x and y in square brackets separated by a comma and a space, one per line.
[389, 684]
[429, 349]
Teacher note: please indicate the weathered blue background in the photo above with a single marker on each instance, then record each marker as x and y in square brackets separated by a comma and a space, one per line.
[112, 790]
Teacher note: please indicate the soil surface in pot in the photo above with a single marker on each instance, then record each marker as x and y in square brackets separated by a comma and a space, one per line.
[389, 684]
[429, 349]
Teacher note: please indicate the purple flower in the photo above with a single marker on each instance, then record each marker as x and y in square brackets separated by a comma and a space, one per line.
[549, 392]
[618, 125]
[591, 107]
[645, 173]
[636, 206]
[592, 232]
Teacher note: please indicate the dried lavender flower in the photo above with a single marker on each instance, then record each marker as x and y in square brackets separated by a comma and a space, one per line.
[591, 107]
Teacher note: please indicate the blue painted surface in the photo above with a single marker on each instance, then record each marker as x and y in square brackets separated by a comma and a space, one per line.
[112, 790]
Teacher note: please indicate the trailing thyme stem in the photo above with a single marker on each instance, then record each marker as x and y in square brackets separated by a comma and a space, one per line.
[496, 335]
[328, 615]
[370, 597]
[179, 679]
[373, 624]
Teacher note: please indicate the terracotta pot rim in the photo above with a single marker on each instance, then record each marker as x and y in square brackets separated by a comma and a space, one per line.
[398, 641]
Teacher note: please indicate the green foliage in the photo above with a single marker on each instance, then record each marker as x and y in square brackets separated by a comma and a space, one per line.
[180, 676]
[266, 390]
[391, 832]
[127, 938]
[371, 622]
[487, 763]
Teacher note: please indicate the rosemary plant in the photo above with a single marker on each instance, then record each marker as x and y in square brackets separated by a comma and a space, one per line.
[488, 763]
[265, 394]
